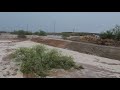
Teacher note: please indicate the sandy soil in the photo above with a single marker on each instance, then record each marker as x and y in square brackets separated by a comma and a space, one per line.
[94, 66]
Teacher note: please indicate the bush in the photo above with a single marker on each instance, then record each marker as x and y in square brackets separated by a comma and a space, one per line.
[107, 35]
[28, 33]
[22, 32]
[41, 33]
[36, 33]
[65, 35]
[38, 60]
[116, 32]
[117, 36]
[111, 34]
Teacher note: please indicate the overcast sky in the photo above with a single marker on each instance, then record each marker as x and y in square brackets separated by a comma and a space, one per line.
[65, 21]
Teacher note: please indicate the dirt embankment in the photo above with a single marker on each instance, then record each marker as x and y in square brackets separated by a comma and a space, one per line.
[99, 50]
[52, 42]
[95, 40]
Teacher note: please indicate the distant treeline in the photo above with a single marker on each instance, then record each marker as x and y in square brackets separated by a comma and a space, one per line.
[23, 32]
[3, 32]
[41, 32]
[74, 33]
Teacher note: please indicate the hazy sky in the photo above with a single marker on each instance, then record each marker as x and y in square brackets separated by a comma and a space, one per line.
[65, 21]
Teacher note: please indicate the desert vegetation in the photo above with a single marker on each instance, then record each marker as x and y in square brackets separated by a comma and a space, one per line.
[41, 33]
[111, 34]
[38, 60]
[65, 35]
[23, 33]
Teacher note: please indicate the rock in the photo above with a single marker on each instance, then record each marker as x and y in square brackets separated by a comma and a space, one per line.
[11, 68]
[16, 69]
[49, 77]
[0, 71]
[14, 73]
[3, 68]
[79, 67]
[6, 73]
[0, 62]
[6, 63]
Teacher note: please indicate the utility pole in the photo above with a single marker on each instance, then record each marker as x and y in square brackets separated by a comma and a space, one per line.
[73, 29]
[54, 26]
[27, 27]
[11, 29]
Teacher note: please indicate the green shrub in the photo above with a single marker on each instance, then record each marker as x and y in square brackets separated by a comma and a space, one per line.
[65, 35]
[41, 33]
[22, 32]
[117, 36]
[19, 32]
[36, 33]
[111, 34]
[116, 32]
[107, 35]
[38, 60]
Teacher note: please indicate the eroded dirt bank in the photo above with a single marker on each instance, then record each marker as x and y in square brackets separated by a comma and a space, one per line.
[88, 48]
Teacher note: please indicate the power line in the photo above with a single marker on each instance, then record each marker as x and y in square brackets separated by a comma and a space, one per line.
[27, 27]
[54, 26]
[74, 29]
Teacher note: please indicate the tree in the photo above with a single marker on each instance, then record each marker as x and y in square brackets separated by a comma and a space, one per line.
[21, 34]
[41, 33]
[116, 32]
[111, 34]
